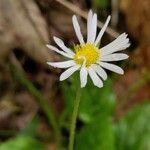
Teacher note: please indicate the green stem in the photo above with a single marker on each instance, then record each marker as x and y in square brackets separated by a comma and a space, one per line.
[74, 119]
[22, 79]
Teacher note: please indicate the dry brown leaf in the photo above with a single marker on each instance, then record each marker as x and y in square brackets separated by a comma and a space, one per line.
[22, 26]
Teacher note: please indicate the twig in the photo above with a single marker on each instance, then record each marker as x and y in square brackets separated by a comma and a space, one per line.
[83, 14]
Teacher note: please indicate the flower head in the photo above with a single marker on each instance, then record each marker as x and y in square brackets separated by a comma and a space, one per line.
[87, 56]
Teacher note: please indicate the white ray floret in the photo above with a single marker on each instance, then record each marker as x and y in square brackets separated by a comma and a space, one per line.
[111, 67]
[96, 80]
[100, 71]
[77, 29]
[66, 74]
[88, 57]
[114, 57]
[61, 44]
[91, 27]
[89, 24]
[102, 31]
[121, 43]
[83, 76]
[63, 64]
[59, 52]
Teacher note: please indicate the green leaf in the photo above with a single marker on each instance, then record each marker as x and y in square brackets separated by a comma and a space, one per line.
[95, 111]
[133, 131]
[94, 101]
[96, 136]
[22, 143]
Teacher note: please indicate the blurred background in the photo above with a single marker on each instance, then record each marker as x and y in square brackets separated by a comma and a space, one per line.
[35, 108]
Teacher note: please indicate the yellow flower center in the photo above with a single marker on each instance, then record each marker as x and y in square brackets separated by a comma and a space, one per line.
[87, 53]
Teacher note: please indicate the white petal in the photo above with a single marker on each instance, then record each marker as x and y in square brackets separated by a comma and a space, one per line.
[94, 27]
[77, 29]
[114, 57]
[63, 64]
[91, 27]
[69, 72]
[96, 80]
[102, 30]
[83, 76]
[89, 24]
[112, 67]
[61, 44]
[121, 43]
[58, 51]
[100, 71]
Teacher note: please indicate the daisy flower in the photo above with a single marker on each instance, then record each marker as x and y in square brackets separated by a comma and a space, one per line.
[87, 56]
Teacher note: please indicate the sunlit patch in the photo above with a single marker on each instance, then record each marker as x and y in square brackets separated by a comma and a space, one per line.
[87, 52]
